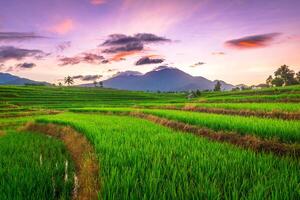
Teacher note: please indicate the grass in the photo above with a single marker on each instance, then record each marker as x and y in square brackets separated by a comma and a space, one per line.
[286, 131]
[69, 97]
[264, 107]
[142, 160]
[33, 166]
[274, 94]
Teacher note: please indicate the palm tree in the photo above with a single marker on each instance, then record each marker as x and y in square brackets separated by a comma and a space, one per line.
[69, 80]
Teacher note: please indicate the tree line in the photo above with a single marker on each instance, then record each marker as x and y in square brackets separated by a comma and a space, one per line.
[283, 76]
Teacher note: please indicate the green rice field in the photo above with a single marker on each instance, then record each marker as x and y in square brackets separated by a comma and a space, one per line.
[142, 159]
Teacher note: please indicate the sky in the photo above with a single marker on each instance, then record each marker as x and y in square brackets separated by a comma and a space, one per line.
[238, 41]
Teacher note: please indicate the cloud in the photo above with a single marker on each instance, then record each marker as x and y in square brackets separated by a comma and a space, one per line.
[25, 65]
[13, 53]
[151, 38]
[220, 53]
[112, 70]
[254, 41]
[97, 2]
[125, 45]
[2, 66]
[87, 77]
[132, 46]
[105, 61]
[18, 67]
[18, 36]
[89, 58]
[148, 60]
[63, 46]
[198, 64]
[62, 27]
[69, 61]
[10, 69]
[92, 58]
[122, 55]
[121, 39]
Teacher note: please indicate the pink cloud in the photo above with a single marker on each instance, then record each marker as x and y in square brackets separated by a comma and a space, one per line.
[253, 41]
[97, 2]
[63, 27]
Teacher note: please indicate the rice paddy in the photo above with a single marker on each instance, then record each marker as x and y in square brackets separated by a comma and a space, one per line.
[33, 166]
[140, 159]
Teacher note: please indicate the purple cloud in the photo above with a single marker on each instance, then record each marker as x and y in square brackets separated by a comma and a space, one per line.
[13, 53]
[254, 41]
[148, 60]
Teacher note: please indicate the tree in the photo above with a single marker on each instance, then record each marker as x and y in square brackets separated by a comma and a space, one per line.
[69, 80]
[59, 84]
[218, 86]
[235, 89]
[101, 84]
[95, 83]
[198, 93]
[277, 82]
[298, 77]
[269, 80]
[286, 75]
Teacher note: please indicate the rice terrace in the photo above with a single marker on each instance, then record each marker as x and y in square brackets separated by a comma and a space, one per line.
[136, 145]
[149, 99]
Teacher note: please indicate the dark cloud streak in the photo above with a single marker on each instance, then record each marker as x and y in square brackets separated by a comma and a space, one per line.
[88, 58]
[18, 36]
[13, 53]
[117, 43]
[63, 46]
[198, 64]
[254, 41]
[87, 77]
[25, 65]
[147, 60]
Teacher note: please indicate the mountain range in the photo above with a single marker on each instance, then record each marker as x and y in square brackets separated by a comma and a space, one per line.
[162, 78]
[8, 79]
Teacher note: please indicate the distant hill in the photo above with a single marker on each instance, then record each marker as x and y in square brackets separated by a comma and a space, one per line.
[9, 79]
[162, 78]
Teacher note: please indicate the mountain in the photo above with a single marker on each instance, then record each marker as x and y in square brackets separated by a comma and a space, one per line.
[163, 79]
[9, 79]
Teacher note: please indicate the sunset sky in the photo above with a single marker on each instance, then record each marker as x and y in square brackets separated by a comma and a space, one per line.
[238, 41]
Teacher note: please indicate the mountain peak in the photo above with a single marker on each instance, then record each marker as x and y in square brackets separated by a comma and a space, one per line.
[163, 78]
[9, 79]
[159, 68]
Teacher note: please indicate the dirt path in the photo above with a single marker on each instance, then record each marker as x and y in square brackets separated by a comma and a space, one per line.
[2, 133]
[87, 185]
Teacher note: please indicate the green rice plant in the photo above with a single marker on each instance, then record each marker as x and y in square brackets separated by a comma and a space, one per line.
[142, 160]
[264, 107]
[267, 107]
[70, 97]
[286, 131]
[33, 166]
